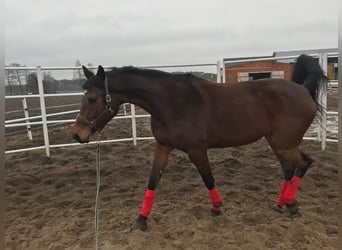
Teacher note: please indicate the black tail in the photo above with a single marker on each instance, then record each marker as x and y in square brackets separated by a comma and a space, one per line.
[308, 72]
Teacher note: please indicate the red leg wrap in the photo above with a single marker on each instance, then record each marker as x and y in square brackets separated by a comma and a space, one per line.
[291, 191]
[281, 200]
[215, 199]
[148, 202]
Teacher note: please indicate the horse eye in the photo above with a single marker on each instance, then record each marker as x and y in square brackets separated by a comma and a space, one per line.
[92, 100]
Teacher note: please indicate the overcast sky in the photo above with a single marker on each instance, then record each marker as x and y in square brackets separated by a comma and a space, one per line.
[159, 32]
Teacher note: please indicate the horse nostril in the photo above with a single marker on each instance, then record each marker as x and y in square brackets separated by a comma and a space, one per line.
[77, 138]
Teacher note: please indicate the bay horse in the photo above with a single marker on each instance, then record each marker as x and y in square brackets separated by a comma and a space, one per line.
[192, 115]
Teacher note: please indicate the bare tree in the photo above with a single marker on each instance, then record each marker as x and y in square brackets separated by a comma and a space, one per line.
[78, 73]
[16, 79]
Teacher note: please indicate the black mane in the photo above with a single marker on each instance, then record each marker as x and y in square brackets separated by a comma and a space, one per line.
[150, 73]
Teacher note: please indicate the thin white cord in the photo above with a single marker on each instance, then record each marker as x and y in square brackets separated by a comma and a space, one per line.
[98, 174]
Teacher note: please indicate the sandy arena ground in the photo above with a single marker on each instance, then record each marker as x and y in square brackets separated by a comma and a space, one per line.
[50, 200]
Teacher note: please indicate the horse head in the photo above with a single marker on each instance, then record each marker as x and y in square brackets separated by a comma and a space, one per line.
[97, 106]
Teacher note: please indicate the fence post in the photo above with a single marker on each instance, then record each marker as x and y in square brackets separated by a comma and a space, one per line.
[124, 108]
[323, 61]
[43, 110]
[218, 72]
[223, 72]
[134, 125]
[26, 113]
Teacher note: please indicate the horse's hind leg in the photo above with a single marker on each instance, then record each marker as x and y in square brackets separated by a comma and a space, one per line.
[288, 171]
[200, 159]
[294, 164]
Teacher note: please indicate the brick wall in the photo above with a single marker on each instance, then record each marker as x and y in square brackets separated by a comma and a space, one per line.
[264, 66]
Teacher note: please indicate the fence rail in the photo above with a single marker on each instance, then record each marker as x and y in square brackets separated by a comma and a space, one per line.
[26, 122]
[321, 131]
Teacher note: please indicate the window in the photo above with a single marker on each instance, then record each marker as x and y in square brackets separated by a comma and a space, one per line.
[259, 75]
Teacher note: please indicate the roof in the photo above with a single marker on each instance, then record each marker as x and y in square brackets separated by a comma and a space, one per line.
[300, 52]
[306, 51]
[243, 58]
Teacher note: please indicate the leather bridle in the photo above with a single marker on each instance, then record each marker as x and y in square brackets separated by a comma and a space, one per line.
[108, 110]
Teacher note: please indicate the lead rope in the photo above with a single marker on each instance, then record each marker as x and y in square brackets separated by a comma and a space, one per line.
[97, 195]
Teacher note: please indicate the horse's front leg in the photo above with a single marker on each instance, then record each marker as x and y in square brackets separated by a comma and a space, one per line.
[161, 155]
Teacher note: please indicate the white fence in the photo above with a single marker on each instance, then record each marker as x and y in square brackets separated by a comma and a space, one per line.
[26, 121]
[320, 131]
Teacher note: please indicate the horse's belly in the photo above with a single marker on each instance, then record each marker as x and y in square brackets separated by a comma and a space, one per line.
[233, 140]
[191, 134]
[236, 134]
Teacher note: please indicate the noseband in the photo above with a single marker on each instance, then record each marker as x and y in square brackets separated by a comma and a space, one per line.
[94, 124]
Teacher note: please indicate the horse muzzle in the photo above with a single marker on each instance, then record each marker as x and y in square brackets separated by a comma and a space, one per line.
[82, 129]
[78, 139]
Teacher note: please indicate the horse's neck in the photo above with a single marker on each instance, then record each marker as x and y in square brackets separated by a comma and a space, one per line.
[141, 91]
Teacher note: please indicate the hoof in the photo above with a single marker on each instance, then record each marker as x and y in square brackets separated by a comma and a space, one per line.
[140, 224]
[215, 213]
[278, 209]
[292, 208]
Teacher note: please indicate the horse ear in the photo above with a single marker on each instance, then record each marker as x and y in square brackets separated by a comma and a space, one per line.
[87, 72]
[101, 72]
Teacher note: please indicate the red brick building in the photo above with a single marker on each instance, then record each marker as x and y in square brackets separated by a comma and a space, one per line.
[256, 70]
[239, 69]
